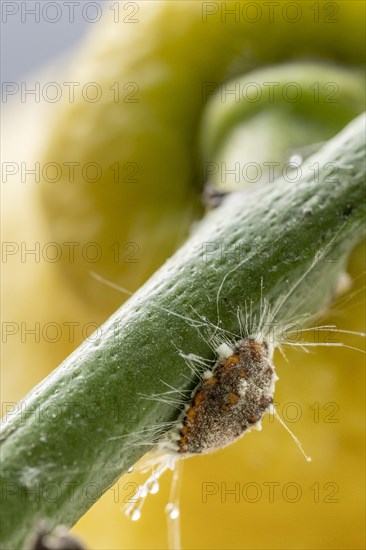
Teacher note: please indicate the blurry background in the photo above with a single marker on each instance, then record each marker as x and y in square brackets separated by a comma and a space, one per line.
[29, 40]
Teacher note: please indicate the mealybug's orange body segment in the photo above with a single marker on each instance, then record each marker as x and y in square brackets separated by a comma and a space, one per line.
[232, 360]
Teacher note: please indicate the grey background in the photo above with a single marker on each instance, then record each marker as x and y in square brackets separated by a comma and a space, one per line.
[27, 44]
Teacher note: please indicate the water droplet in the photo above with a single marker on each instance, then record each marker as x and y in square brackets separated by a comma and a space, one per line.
[130, 470]
[135, 514]
[296, 159]
[172, 511]
[307, 210]
[308, 459]
[153, 487]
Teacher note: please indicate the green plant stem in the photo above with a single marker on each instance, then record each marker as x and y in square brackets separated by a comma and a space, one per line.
[70, 436]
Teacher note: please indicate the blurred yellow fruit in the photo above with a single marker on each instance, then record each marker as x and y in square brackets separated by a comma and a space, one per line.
[135, 188]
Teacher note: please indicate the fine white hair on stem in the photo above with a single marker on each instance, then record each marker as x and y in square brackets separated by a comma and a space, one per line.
[106, 282]
[172, 509]
[298, 443]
